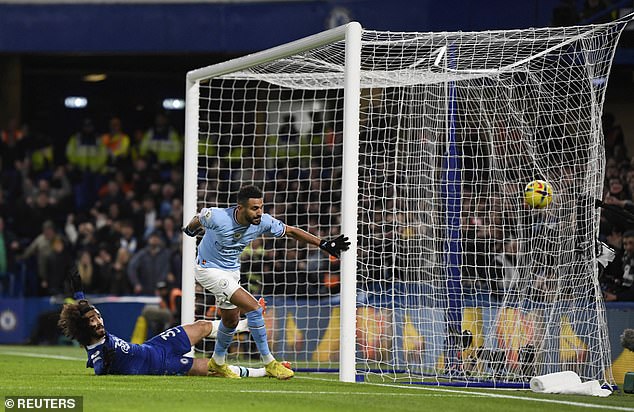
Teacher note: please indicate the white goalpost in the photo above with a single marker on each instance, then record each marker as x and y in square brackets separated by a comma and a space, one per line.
[417, 146]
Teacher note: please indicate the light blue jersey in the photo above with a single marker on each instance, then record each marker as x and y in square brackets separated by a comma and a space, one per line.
[225, 238]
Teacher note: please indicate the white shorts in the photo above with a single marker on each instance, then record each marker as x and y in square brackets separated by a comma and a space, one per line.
[221, 283]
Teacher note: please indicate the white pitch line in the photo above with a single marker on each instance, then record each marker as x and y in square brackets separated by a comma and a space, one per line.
[494, 395]
[289, 392]
[40, 355]
[261, 391]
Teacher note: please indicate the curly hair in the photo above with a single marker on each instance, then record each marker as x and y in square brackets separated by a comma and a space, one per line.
[73, 324]
[249, 192]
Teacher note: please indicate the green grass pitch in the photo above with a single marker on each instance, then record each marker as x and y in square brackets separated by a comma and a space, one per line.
[48, 371]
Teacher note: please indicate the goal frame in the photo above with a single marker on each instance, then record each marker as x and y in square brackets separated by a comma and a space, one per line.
[351, 34]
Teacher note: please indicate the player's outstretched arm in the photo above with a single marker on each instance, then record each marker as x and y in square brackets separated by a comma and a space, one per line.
[193, 228]
[333, 247]
[336, 245]
[75, 284]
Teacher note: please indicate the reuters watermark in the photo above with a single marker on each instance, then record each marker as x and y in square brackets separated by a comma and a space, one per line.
[44, 403]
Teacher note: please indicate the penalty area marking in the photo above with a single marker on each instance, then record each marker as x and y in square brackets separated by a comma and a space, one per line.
[493, 395]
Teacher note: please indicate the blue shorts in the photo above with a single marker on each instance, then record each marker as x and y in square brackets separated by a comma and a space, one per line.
[173, 344]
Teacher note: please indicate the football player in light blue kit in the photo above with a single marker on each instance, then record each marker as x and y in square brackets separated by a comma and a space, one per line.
[227, 231]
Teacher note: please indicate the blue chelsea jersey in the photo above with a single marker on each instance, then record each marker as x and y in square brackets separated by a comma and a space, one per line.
[115, 356]
[225, 238]
[164, 354]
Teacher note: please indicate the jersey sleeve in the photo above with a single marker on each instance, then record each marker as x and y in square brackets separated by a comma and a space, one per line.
[206, 217]
[96, 361]
[277, 227]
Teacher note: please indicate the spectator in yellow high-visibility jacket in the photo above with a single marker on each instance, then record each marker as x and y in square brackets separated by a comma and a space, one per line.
[87, 157]
[163, 142]
[85, 151]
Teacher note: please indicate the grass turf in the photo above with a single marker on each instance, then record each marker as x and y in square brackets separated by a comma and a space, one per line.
[49, 371]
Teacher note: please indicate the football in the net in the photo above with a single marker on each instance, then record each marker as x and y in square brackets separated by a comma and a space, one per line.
[538, 194]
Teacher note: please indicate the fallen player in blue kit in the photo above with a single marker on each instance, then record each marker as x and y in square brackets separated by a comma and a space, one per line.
[164, 354]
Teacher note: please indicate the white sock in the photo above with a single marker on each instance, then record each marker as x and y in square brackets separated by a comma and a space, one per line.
[268, 359]
[244, 372]
[214, 329]
[242, 327]
[220, 360]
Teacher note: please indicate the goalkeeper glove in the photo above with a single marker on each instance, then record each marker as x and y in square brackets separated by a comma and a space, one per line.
[75, 284]
[334, 247]
[193, 233]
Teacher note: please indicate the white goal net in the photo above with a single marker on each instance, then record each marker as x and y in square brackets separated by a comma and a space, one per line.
[454, 279]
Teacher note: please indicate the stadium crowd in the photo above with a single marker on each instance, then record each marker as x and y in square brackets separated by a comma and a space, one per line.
[112, 204]
[617, 221]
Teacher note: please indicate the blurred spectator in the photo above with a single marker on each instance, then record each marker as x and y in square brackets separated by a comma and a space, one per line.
[177, 210]
[172, 235]
[618, 278]
[162, 142]
[12, 148]
[85, 151]
[114, 213]
[117, 142]
[176, 180]
[87, 157]
[616, 190]
[58, 265]
[6, 208]
[57, 188]
[86, 239]
[60, 188]
[149, 266]
[119, 282]
[142, 177]
[103, 269]
[108, 233]
[40, 155]
[167, 196]
[41, 247]
[145, 218]
[125, 185]
[171, 296]
[167, 313]
[176, 266]
[617, 215]
[86, 270]
[127, 240]
[9, 246]
[33, 213]
[110, 194]
[613, 136]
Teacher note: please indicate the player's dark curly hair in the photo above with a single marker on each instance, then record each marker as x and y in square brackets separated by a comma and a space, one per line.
[249, 192]
[73, 324]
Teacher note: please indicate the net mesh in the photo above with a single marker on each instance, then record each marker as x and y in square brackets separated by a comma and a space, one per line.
[457, 278]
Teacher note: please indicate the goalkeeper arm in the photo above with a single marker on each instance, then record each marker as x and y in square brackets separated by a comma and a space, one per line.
[333, 247]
